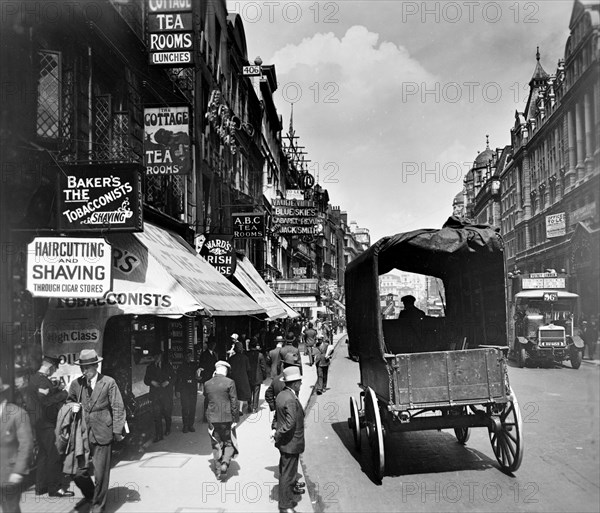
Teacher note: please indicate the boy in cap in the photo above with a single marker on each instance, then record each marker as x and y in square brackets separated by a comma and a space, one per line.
[289, 437]
[223, 415]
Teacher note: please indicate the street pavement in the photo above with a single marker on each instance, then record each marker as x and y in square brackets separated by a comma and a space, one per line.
[175, 475]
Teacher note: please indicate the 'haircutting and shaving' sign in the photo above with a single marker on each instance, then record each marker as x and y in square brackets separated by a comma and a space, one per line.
[64, 267]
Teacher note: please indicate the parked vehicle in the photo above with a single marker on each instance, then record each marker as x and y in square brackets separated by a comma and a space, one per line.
[435, 372]
[544, 328]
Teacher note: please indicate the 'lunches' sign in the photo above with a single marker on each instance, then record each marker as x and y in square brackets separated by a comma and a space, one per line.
[69, 267]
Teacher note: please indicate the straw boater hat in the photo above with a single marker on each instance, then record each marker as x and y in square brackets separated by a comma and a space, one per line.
[235, 336]
[278, 338]
[88, 357]
[291, 374]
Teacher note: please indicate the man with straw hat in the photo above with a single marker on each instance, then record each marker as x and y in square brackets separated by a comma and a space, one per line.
[16, 451]
[100, 400]
[289, 437]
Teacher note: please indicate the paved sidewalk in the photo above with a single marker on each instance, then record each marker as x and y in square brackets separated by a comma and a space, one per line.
[175, 475]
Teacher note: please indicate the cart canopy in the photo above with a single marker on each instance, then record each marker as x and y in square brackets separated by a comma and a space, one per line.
[467, 258]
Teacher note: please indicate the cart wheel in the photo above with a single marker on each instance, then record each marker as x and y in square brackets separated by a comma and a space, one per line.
[462, 435]
[575, 355]
[354, 423]
[375, 433]
[507, 439]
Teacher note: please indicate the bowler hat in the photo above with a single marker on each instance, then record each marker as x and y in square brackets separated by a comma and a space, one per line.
[3, 387]
[408, 299]
[290, 336]
[222, 363]
[88, 357]
[291, 374]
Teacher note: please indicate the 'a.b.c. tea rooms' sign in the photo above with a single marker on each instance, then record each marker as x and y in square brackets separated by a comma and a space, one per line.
[69, 267]
[100, 198]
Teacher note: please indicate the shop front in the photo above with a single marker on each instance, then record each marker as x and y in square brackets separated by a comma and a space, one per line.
[163, 296]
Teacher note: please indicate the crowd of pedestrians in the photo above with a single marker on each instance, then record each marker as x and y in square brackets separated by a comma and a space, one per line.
[74, 430]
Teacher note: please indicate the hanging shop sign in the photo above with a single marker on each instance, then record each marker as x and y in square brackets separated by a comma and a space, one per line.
[66, 267]
[218, 251]
[248, 225]
[167, 141]
[299, 272]
[170, 31]
[295, 194]
[292, 217]
[556, 225]
[100, 198]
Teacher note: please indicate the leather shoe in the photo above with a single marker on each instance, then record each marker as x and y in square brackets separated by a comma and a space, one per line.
[192, 429]
[287, 510]
[167, 432]
[41, 491]
[62, 493]
[298, 490]
[300, 484]
[184, 430]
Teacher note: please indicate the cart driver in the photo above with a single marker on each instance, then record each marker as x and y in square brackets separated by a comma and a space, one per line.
[410, 311]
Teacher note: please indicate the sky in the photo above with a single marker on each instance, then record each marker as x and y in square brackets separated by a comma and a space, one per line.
[393, 99]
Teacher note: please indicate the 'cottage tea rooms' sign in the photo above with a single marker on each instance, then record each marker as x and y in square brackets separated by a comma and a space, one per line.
[100, 198]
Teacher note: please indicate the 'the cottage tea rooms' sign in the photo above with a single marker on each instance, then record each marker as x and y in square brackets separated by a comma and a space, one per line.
[69, 267]
[97, 198]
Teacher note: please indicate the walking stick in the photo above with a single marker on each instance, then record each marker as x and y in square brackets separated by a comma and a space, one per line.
[74, 422]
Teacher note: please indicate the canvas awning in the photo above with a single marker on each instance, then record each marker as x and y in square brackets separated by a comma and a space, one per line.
[249, 278]
[291, 313]
[539, 294]
[301, 301]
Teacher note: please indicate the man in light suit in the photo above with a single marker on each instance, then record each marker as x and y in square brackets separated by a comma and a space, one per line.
[289, 437]
[99, 398]
[222, 414]
[16, 451]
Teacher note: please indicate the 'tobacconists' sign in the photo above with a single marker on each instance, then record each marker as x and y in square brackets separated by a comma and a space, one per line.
[68, 267]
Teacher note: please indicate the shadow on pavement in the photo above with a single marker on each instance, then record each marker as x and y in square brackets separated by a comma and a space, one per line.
[417, 452]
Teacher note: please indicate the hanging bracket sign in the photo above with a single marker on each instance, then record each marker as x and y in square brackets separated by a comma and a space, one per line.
[66, 267]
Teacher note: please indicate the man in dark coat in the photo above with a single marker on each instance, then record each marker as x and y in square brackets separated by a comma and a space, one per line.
[274, 357]
[242, 375]
[222, 415]
[258, 373]
[16, 451]
[289, 348]
[99, 398]
[410, 311]
[160, 378]
[208, 358]
[310, 339]
[289, 437]
[276, 386]
[48, 399]
[186, 386]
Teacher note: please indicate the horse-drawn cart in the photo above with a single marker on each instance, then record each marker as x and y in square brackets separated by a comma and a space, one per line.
[434, 372]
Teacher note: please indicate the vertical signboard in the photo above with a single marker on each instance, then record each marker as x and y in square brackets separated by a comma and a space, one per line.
[170, 33]
[167, 141]
[556, 225]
